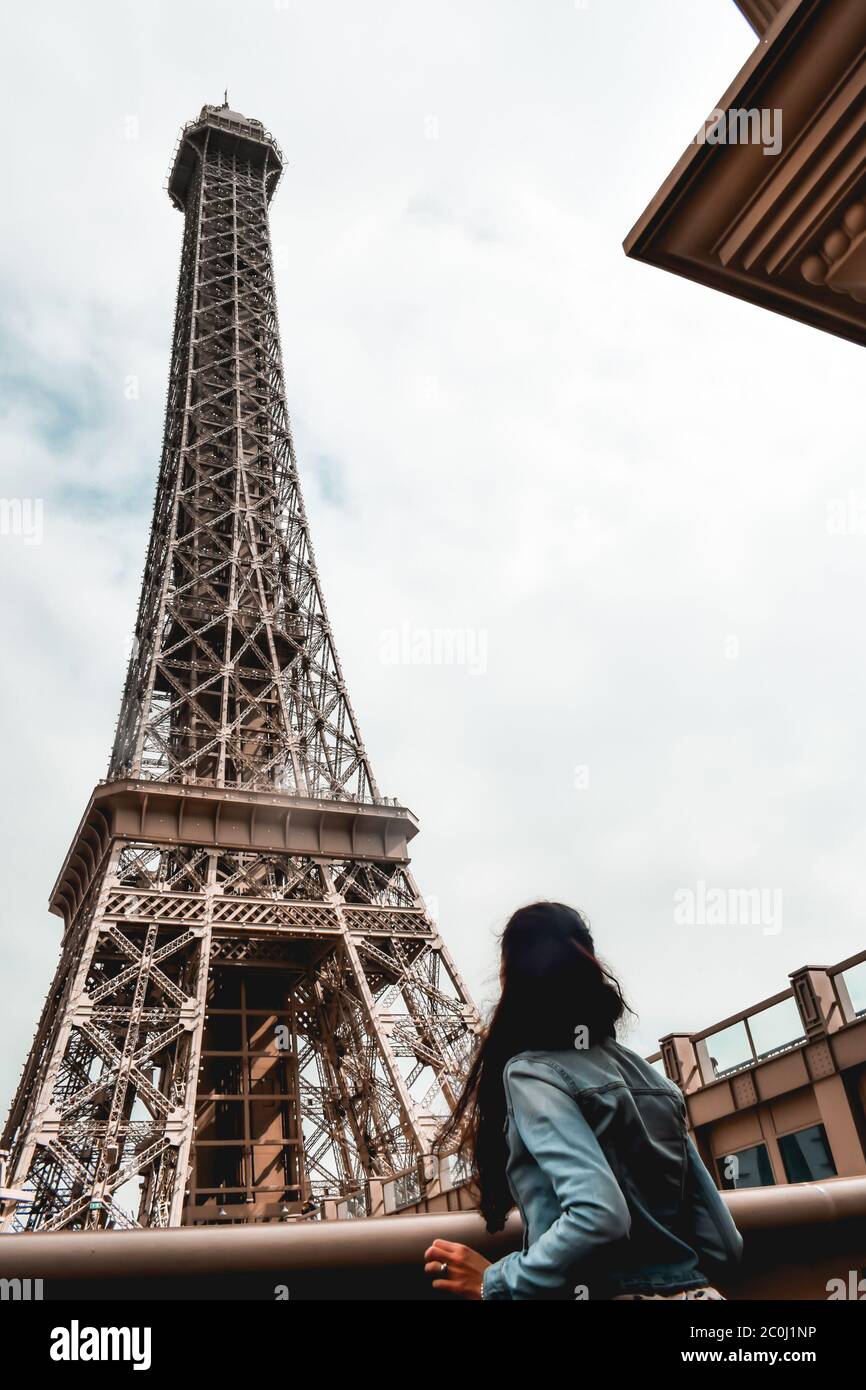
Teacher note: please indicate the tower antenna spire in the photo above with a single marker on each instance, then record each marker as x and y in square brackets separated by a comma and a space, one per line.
[226, 97]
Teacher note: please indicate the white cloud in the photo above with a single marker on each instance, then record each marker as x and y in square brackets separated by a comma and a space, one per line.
[609, 471]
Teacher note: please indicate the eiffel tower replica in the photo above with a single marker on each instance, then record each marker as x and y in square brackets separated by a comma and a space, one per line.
[254, 1017]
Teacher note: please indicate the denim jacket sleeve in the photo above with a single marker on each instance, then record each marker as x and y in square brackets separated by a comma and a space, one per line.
[714, 1237]
[593, 1209]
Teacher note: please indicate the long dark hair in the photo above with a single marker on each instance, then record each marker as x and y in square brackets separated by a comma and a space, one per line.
[553, 985]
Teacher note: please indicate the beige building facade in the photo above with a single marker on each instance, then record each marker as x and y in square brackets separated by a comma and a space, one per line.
[777, 1094]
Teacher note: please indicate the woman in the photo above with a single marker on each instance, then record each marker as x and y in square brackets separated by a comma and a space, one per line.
[583, 1135]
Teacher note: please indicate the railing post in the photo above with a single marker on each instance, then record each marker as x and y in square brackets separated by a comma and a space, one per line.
[376, 1188]
[686, 1061]
[822, 1000]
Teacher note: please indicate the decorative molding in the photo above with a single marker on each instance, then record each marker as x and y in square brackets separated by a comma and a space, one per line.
[761, 13]
[786, 231]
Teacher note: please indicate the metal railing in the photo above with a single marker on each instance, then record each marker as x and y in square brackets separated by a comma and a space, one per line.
[798, 1240]
[847, 981]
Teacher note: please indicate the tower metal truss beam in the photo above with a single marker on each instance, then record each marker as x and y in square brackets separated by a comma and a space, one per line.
[253, 1010]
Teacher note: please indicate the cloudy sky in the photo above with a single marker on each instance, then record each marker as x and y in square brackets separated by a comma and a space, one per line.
[614, 484]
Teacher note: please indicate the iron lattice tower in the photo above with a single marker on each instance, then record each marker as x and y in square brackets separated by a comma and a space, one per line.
[254, 1016]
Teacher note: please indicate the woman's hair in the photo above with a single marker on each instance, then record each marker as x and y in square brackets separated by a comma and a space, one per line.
[556, 994]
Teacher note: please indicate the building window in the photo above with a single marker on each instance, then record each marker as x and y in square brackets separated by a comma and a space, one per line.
[746, 1168]
[806, 1155]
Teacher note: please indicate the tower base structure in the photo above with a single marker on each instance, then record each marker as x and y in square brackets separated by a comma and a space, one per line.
[254, 1018]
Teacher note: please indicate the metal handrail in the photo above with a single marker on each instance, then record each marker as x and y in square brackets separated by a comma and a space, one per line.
[703, 1034]
[776, 1222]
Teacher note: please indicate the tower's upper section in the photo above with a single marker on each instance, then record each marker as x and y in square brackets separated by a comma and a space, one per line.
[233, 680]
[218, 127]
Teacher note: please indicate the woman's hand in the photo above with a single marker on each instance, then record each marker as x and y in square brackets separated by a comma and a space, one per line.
[458, 1269]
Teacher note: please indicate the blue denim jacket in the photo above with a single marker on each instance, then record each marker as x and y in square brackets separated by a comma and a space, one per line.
[613, 1194]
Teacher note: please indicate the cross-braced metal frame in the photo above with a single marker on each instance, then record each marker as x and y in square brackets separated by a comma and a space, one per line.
[253, 1015]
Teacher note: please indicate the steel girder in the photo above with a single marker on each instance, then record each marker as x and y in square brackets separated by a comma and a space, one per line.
[235, 1034]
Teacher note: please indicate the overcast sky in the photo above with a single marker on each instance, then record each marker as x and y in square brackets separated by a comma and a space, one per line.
[618, 484]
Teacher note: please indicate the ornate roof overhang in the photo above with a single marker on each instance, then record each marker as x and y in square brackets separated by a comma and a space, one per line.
[786, 231]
